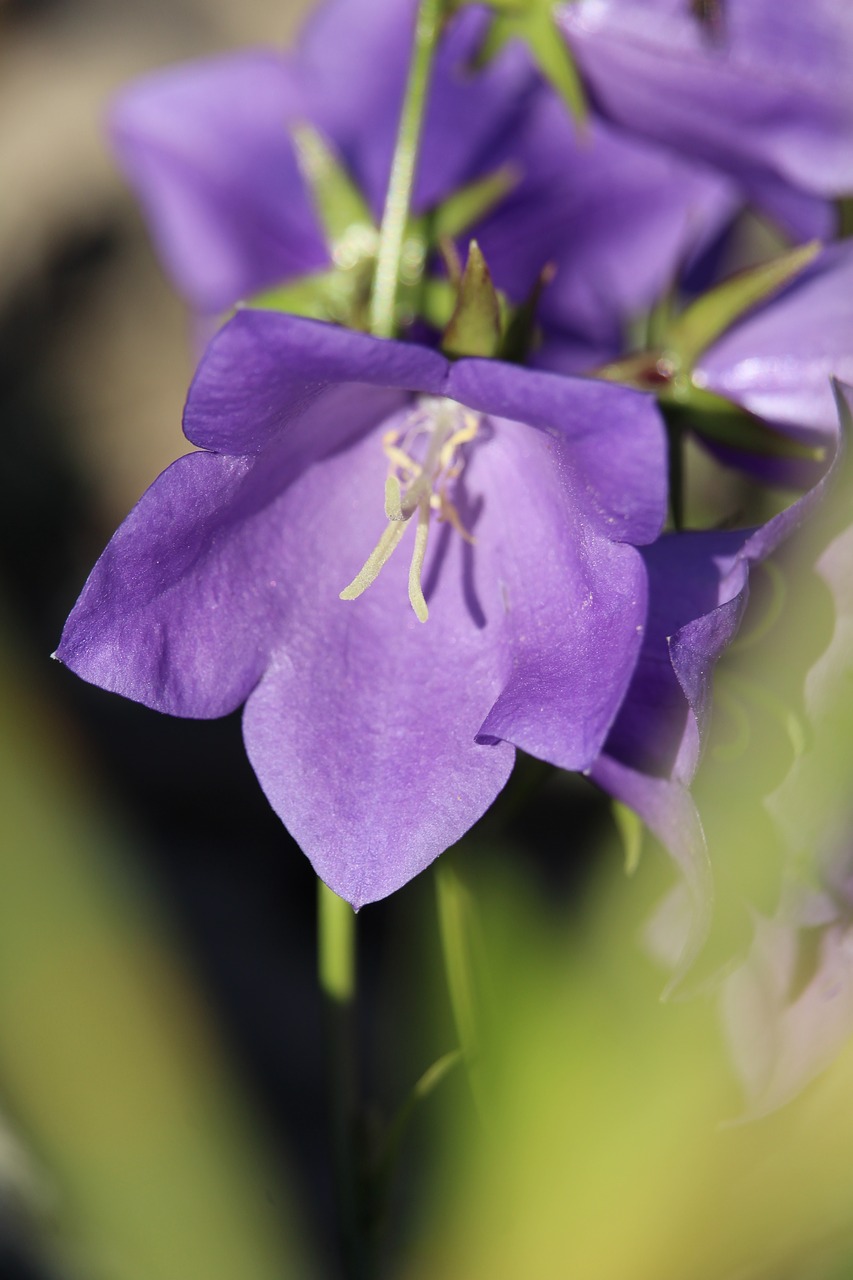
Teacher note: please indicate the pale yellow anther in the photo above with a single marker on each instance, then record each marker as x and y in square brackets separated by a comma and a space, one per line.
[402, 461]
[463, 436]
[416, 568]
[393, 497]
[448, 512]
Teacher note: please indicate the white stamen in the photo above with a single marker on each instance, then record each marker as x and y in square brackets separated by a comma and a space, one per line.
[378, 558]
[416, 594]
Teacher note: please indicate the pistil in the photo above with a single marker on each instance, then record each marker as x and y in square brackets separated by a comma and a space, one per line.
[420, 486]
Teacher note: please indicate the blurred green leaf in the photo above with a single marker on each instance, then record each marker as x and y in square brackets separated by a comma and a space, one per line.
[108, 1058]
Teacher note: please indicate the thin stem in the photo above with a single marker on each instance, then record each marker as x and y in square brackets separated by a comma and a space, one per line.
[399, 196]
[336, 957]
[456, 931]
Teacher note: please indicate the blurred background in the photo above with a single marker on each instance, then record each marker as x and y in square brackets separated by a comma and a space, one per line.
[162, 1105]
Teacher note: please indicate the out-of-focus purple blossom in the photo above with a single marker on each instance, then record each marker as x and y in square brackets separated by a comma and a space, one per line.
[208, 149]
[698, 591]
[759, 90]
[778, 362]
[788, 1009]
[377, 738]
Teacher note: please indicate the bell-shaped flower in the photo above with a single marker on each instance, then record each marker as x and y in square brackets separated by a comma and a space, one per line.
[698, 592]
[209, 149]
[759, 90]
[404, 567]
[788, 1007]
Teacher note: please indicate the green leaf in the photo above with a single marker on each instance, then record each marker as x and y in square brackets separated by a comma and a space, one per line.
[718, 309]
[472, 202]
[340, 206]
[475, 326]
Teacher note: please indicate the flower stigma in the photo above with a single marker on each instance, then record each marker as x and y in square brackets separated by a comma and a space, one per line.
[424, 461]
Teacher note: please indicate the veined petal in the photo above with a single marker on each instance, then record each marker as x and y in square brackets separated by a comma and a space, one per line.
[263, 370]
[177, 613]
[573, 602]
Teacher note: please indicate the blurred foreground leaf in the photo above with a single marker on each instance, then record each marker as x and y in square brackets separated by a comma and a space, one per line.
[107, 1059]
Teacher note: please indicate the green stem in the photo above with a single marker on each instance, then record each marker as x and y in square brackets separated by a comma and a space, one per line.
[398, 199]
[456, 927]
[337, 974]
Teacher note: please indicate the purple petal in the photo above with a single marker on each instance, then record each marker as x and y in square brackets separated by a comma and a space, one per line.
[771, 91]
[602, 422]
[618, 217]
[573, 602]
[363, 732]
[264, 370]
[779, 1043]
[207, 149]
[778, 361]
[176, 613]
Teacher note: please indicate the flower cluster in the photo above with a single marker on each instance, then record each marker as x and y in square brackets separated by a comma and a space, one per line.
[410, 557]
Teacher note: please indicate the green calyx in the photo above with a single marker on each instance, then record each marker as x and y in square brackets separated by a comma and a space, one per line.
[341, 293]
[680, 338]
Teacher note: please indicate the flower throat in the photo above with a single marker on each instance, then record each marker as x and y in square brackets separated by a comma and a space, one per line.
[417, 486]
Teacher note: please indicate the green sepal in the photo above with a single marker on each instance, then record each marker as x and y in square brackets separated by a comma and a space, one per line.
[844, 207]
[472, 202]
[340, 205]
[301, 297]
[717, 310]
[630, 828]
[339, 297]
[533, 22]
[721, 421]
[520, 330]
[475, 326]
[438, 302]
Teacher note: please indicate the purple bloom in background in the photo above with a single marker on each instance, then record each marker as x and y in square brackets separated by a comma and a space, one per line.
[208, 149]
[762, 91]
[698, 591]
[788, 1008]
[779, 361]
[378, 738]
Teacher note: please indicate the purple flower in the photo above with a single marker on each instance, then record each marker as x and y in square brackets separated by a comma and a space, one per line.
[779, 362]
[788, 1008]
[208, 148]
[761, 91]
[380, 738]
[698, 592]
